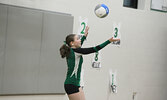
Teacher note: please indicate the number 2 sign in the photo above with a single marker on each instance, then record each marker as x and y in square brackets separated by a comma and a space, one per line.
[82, 25]
[83, 28]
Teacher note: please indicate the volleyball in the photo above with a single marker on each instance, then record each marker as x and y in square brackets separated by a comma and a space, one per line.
[101, 10]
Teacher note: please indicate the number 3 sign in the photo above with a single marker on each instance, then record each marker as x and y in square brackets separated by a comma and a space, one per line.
[116, 33]
[82, 25]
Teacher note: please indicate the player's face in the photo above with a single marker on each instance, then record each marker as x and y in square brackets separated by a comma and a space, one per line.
[77, 42]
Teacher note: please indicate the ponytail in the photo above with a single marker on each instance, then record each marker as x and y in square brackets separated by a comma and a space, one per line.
[65, 49]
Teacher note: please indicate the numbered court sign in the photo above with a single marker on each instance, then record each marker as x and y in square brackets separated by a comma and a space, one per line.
[159, 5]
[83, 22]
[116, 34]
[113, 82]
[96, 61]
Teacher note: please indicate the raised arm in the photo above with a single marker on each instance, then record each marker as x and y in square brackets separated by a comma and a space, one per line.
[82, 39]
[85, 35]
[89, 50]
[83, 51]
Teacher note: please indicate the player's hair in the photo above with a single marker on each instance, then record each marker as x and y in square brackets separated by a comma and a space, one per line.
[66, 47]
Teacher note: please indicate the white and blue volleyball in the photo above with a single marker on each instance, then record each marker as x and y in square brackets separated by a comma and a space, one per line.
[101, 10]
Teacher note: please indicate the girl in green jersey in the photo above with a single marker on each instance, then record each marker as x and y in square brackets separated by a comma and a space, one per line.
[73, 52]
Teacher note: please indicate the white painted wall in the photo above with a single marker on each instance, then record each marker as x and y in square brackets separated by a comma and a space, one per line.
[141, 61]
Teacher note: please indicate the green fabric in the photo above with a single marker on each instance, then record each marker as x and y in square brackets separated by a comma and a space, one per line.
[82, 39]
[75, 80]
[102, 45]
[75, 61]
[71, 65]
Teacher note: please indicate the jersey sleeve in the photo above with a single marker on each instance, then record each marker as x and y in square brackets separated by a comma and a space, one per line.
[82, 39]
[84, 51]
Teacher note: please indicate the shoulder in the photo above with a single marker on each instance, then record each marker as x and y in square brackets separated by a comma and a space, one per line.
[71, 53]
[77, 51]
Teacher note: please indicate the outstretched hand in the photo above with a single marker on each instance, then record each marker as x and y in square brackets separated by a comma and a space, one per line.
[86, 30]
[113, 40]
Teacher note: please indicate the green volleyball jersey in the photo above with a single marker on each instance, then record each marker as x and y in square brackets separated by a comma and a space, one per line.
[75, 60]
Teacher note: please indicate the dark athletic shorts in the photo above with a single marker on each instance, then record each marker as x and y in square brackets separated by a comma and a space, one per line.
[70, 88]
